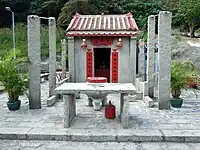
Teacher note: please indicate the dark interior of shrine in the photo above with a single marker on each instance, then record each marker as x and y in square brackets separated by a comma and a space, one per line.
[102, 62]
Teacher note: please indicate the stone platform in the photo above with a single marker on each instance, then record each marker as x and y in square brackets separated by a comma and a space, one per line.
[145, 124]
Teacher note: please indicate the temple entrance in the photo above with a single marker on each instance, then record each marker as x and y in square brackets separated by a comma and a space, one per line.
[102, 62]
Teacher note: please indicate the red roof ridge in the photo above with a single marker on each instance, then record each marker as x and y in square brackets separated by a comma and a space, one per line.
[104, 23]
[129, 14]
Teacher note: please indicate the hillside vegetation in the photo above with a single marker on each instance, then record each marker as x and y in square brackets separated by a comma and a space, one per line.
[186, 13]
[186, 18]
[6, 42]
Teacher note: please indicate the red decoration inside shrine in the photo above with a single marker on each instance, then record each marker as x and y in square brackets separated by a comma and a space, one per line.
[115, 66]
[97, 80]
[102, 41]
[89, 66]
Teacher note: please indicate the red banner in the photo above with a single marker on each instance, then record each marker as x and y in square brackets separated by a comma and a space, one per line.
[114, 67]
[89, 66]
[97, 41]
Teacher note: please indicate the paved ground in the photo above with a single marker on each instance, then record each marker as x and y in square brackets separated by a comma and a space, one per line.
[62, 145]
[146, 124]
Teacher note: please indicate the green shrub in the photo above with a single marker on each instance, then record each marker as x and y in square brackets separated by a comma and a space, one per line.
[180, 71]
[14, 83]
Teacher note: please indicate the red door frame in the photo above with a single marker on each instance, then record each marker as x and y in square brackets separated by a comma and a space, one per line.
[113, 69]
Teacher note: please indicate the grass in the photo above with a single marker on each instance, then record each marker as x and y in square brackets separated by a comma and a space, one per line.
[6, 43]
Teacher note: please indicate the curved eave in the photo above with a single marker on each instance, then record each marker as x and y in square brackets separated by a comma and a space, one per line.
[102, 33]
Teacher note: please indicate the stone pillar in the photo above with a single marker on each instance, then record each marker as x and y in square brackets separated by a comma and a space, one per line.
[52, 55]
[164, 59]
[150, 55]
[64, 49]
[35, 60]
[141, 58]
[132, 60]
[71, 59]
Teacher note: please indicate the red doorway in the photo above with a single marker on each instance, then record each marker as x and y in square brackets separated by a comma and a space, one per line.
[102, 62]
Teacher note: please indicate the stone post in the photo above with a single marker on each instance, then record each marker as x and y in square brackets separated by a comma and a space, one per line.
[150, 55]
[64, 49]
[34, 60]
[141, 58]
[132, 60]
[156, 66]
[164, 59]
[52, 55]
[71, 59]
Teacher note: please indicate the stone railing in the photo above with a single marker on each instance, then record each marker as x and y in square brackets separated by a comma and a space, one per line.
[59, 81]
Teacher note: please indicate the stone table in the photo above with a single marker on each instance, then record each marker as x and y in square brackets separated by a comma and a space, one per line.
[95, 89]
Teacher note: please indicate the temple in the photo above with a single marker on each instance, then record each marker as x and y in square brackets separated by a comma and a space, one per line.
[102, 46]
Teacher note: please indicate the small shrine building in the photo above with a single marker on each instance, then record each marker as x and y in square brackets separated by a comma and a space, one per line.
[102, 46]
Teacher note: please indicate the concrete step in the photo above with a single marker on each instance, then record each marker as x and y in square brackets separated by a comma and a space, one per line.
[65, 145]
[77, 135]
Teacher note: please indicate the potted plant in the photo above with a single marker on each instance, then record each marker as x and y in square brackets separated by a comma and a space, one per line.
[14, 83]
[180, 71]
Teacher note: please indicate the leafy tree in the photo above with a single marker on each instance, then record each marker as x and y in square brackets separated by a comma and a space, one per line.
[52, 7]
[69, 10]
[141, 9]
[35, 7]
[190, 10]
[177, 19]
[20, 7]
[172, 5]
[106, 6]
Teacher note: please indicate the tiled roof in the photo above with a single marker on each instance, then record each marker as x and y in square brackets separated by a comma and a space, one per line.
[98, 25]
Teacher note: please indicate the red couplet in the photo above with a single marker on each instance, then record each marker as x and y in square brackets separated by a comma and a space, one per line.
[114, 67]
[89, 65]
[96, 79]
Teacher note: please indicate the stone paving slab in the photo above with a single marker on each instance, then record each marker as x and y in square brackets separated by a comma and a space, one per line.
[63, 145]
[145, 124]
